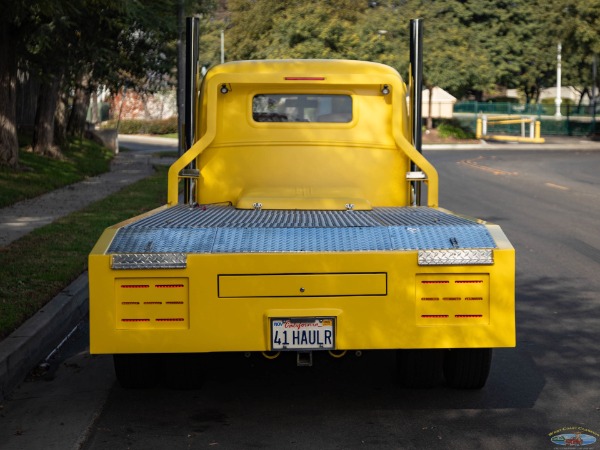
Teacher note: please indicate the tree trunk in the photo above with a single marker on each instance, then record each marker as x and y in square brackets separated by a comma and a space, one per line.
[94, 104]
[9, 144]
[584, 92]
[60, 119]
[28, 91]
[81, 102]
[43, 132]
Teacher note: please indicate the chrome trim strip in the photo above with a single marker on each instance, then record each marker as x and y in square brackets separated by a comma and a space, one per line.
[128, 261]
[456, 257]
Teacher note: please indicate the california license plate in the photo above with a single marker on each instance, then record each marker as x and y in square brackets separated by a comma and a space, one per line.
[305, 333]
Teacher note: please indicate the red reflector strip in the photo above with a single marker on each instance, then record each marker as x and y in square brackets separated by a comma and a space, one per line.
[430, 299]
[152, 303]
[304, 78]
[166, 286]
[469, 281]
[473, 298]
[434, 316]
[175, 319]
[174, 303]
[135, 320]
[452, 298]
[436, 282]
[130, 303]
[135, 286]
[468, 316]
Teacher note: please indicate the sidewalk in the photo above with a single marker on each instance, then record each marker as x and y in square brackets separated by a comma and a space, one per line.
[21, 218]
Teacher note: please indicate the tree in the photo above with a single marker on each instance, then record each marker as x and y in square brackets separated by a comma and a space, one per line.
[75, 47]
[9, 146]
[578, 23]
[19, 23]
[294, 29]
[47, 62]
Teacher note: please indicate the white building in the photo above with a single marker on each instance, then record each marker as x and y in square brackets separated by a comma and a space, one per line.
[442, 103]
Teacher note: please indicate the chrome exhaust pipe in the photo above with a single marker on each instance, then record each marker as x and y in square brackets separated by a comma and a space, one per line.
[337, 353]
[416, 96]
[271, 355]
[192, 35]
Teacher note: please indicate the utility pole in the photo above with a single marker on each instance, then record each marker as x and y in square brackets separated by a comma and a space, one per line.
[594, 95]
[558, 100]
[222, 46]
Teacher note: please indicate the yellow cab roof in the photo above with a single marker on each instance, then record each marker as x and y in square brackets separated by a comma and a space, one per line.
[304, 67]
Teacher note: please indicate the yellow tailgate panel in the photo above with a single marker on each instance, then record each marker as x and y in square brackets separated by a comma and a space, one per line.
[365, 318]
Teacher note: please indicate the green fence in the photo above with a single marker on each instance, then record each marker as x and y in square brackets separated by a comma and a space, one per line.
[573, 122]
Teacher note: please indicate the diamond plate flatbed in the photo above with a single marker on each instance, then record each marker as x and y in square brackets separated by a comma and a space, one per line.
[225, 229]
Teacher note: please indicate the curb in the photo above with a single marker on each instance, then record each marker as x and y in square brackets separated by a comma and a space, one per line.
[23, 349]
[580, 146]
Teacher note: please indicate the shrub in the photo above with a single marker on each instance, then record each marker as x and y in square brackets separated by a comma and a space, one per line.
[453, 129]
[503, 100]
[155, 126]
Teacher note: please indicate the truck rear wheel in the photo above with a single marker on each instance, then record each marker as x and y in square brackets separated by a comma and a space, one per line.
[137, 371]
[467, 368]
[418, 368]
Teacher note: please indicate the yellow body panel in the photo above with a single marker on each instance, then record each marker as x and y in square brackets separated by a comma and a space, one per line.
[378, 299]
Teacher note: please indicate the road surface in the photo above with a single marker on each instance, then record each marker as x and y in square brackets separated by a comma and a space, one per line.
[548, 204]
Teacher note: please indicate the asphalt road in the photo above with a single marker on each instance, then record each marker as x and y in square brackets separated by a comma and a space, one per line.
[548, 204]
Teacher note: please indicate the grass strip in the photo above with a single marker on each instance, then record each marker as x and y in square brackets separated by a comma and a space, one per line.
[38, 266]
[38, 174]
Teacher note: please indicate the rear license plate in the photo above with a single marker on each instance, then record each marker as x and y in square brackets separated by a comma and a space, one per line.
[305, 333]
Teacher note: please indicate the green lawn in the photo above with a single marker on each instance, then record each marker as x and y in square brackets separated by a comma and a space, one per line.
[36, 267]
[37, 175]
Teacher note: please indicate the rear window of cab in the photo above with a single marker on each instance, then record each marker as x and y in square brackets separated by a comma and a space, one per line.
[302, 108]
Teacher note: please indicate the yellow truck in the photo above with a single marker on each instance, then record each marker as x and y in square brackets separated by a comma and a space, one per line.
[301, 229]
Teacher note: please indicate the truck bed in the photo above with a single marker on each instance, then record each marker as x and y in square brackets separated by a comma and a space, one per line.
[225, 229]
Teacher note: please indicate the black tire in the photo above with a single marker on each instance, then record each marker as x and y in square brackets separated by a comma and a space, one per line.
[419, 369]
[467, 368]
[137, 371]
[184, 370]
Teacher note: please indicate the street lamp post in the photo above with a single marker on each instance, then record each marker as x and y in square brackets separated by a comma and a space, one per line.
[558, 100]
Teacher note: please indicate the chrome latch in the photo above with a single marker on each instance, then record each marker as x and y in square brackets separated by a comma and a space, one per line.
[349, 206]
[419, 175]
[189, 173]
[257, 206]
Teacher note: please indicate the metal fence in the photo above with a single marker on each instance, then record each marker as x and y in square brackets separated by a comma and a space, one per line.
[574, 121]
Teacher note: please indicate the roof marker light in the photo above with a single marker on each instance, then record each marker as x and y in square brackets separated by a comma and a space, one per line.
[304, 78]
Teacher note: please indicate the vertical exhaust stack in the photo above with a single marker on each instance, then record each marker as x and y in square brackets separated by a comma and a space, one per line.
[192, 35]
[416, 94]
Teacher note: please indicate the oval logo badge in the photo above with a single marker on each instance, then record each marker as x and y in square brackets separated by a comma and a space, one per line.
[575, 439]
